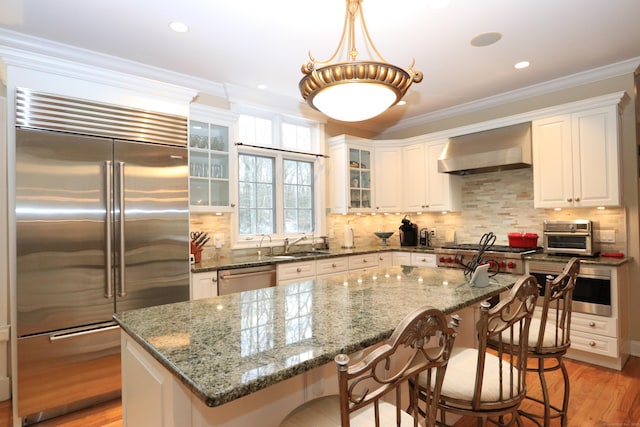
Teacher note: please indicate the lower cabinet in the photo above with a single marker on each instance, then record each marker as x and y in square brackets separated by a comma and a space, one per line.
[423, 260]
[363, 261]
[331, 266]
[293, 272]
[204, 285]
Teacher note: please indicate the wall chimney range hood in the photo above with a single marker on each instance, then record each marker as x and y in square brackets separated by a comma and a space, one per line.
[487, 151]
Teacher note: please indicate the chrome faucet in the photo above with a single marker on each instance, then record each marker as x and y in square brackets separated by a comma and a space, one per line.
[288, 245]
[270, 246]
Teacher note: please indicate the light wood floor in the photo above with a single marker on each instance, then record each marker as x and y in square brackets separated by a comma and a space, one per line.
[599, 398]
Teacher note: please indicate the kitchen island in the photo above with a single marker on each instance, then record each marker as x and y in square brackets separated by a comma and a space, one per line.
[249, 358]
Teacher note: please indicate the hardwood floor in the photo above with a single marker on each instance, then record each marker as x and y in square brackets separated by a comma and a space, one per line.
[599, 398]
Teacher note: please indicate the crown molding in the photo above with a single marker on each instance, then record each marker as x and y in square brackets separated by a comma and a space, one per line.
[566, 82]
[14, 45]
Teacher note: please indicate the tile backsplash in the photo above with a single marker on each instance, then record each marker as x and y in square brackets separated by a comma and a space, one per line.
[500, 202]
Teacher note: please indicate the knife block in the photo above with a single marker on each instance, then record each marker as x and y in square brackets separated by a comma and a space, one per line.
[196, 252]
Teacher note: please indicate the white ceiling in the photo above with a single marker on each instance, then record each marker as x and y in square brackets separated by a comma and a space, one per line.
[244, 43]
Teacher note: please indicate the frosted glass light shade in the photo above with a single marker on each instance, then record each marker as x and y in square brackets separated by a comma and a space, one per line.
[353, 102]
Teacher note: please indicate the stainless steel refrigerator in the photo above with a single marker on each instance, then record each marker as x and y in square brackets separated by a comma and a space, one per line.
[101, 226]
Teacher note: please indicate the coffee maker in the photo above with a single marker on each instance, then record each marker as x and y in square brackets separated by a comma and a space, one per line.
[424, 237]
[408, 232]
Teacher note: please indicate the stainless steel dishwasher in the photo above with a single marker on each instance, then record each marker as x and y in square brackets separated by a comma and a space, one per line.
[246, 279]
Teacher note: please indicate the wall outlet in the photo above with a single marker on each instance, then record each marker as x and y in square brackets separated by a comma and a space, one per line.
[608, 236]
[432, 233]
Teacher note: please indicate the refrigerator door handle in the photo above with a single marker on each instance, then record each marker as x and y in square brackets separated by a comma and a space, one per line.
[121, 271]
[109, 261]
[79, 333]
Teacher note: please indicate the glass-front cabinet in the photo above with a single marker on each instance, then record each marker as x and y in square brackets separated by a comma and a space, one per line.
[360, 178]
[210, 166]
[351, 175]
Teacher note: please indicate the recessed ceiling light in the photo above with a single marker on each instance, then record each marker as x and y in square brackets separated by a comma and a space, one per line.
[402, 102]
[522, 64]
[262, 86]
[485, 39]
[179, 27]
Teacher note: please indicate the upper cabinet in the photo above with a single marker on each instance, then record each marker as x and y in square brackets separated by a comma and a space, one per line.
[388, 177]
[575, 159]
[210, 159]
[425, 189]
[351, 177]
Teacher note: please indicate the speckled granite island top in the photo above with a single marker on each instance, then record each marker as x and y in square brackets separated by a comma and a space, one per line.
[227, 347]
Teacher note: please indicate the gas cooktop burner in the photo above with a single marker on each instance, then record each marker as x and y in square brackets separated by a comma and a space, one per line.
[494, 248]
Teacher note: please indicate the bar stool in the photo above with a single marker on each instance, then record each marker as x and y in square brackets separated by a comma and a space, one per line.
[420, 344]
[549, 338]
[480, 383]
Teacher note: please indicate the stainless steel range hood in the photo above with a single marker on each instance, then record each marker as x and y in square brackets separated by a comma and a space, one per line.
[496, 149]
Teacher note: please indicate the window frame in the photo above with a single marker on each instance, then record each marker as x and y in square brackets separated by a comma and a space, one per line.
[279, 153]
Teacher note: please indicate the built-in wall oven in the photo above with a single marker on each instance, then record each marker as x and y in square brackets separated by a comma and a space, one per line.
[592, 293]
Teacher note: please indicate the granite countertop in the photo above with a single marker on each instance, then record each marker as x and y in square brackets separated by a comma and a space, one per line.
[598, 260]
[240, 261]
[227, 347]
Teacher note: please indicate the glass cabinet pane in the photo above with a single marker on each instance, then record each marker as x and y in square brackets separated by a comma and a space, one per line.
[208, 164]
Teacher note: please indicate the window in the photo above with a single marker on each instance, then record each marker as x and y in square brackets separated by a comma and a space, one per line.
[256, 194]
[298, 196]
[277, 184]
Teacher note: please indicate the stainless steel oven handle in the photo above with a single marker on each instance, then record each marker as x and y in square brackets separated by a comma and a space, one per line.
[122, 284]
[238, 276]
[71, 335]
[107, 231]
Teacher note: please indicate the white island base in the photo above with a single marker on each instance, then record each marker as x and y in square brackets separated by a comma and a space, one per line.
[153, 396]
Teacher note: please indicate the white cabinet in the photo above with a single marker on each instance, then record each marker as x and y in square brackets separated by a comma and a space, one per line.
[385, 259]
[210, 159]
[350, 175]
[331, 266]
[425, 189]
[204, 285]
[363, 261]
[423, 259]
[292, 272]
[388, 178]
[401, 258]
[575, 159]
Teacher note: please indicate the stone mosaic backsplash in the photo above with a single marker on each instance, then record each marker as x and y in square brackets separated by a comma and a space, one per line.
[498, 202]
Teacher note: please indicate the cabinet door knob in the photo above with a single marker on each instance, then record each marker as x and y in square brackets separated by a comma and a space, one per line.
[364, 260]
[577, 199]
[592, 323]
[569, 199]
[333, 265]
[592, 343]
[233, 205]
[299, 270]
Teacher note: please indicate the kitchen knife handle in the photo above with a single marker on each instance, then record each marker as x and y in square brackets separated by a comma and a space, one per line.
[107, 230]
[122, 289]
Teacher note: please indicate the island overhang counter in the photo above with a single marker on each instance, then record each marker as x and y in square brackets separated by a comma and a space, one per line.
[201, 362]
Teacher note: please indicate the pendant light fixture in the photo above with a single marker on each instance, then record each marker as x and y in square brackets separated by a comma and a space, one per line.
[353, 90]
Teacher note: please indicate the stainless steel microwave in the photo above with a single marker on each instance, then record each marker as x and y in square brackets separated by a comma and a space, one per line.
[574, 237]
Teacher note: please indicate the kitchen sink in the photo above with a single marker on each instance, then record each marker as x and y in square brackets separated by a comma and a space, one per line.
[297, 255]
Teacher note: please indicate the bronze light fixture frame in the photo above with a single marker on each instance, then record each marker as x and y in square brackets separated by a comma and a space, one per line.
[320, 75]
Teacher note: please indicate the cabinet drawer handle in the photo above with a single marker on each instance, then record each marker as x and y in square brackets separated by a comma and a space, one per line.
[333, 265]
[592, 323]
[299, 270]
[364, 260]
[592, 343]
